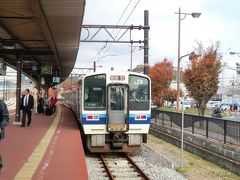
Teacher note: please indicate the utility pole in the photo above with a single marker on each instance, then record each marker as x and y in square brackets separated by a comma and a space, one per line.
[146, 47]
[94, 66]
[146, 41]
[233, 84]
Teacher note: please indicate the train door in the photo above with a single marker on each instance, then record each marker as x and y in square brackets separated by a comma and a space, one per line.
[118, 112]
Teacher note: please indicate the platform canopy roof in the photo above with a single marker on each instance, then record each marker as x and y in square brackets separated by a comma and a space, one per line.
[40, 34]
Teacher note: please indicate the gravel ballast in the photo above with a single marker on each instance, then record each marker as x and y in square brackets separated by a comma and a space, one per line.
[153, 163]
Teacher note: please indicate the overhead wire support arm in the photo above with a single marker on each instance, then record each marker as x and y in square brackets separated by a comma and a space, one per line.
[109, 34]
[119, 38]
[79, 71]
[124, 34]
[95, 33]
[113, 39]
[116, 26]
[107, 41]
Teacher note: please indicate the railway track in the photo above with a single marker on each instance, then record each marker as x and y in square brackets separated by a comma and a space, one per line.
[121, 166]
[222, 161]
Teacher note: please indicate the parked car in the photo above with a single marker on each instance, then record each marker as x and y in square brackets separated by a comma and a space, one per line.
[187, 104]
[212, 104]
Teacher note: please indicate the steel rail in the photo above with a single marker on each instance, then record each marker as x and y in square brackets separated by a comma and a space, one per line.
[140, 171]
[106, 167]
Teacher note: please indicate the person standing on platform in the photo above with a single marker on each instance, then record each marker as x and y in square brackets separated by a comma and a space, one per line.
[4, 120]
[53, 102]
[40, 105]
[27, 104]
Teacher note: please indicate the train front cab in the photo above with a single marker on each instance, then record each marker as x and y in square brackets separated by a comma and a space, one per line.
[123, 123]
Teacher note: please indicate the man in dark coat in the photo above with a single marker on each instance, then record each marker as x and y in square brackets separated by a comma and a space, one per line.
[4, 120]
[27, 104]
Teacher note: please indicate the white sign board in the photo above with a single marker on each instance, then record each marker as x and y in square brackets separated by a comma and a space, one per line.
[56, 79]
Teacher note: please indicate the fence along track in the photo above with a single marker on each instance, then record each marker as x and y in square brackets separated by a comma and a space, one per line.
[234, 164]
[121, 166]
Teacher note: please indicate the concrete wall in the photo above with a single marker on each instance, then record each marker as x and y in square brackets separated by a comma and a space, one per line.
[224, 155]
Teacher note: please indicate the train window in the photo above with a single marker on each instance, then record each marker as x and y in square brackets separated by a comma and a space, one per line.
[139, 93]
[117, 97]
[95, 92]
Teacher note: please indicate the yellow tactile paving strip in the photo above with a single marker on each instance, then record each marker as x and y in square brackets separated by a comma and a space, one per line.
[29, 168]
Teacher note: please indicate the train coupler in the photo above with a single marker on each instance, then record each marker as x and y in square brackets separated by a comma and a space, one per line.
[117, 140]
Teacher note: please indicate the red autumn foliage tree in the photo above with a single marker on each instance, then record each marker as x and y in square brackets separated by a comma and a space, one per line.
[161, 76]
[201, 77]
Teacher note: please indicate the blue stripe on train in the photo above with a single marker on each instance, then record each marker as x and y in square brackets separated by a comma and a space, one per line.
[102, 120]
[133, 121]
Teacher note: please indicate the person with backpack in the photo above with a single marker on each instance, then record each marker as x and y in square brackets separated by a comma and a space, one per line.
[4, 120]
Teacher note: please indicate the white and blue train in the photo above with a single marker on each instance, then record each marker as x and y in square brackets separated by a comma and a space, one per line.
[113, 108]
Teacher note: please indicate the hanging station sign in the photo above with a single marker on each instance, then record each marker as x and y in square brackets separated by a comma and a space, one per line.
[56, 79]
[46, 70]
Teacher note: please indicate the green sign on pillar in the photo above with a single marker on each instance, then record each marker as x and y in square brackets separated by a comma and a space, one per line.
[46, 70]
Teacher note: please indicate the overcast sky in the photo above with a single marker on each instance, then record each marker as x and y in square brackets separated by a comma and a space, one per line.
[219, 22]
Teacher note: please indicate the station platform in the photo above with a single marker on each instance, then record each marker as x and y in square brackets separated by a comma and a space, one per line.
[51, 148]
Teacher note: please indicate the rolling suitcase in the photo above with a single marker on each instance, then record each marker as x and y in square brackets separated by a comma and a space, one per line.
[49, 111]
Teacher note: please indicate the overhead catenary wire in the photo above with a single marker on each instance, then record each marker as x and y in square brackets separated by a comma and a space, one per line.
[98, 57]
[98, 53]
[119, 54]
[120, 29]
[124, 12]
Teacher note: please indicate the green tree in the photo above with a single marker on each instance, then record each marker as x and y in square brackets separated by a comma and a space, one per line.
[201, 77]
[161, 76]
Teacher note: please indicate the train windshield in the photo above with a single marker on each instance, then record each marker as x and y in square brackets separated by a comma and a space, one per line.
[139, 98]
[95, 92]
